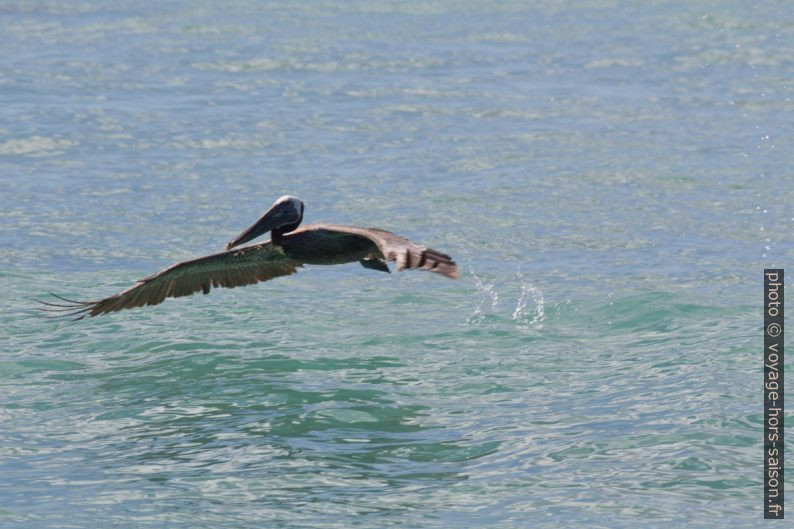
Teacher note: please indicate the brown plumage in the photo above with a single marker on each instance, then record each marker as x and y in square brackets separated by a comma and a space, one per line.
[336, 244]
[289, 248]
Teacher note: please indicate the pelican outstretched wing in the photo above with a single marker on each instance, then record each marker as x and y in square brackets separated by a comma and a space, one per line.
[405, 253]
[236, 268]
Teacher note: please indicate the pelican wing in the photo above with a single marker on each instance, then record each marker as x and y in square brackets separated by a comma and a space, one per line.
[405, 253]
[235, 268]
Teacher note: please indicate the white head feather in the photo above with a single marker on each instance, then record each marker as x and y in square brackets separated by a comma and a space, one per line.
[294, 201]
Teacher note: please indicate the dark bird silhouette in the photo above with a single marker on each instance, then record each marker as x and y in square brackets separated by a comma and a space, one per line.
[289, 248]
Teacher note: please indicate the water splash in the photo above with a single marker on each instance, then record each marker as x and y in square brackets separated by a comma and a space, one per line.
[487, 293]
[537, 311]
[524, 312]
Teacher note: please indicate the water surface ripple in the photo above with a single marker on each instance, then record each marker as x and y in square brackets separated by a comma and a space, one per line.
[611, 178]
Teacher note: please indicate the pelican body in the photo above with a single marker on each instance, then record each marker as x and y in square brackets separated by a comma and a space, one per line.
[290, 247]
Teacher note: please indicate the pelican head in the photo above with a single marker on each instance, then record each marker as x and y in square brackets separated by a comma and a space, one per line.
[284, 215]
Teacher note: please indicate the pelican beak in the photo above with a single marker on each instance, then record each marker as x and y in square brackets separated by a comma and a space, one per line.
[278, 215]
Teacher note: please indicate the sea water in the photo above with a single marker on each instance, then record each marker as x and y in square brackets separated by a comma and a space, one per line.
[611, 177]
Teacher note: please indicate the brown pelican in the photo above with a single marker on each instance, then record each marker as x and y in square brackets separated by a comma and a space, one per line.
[289, 247]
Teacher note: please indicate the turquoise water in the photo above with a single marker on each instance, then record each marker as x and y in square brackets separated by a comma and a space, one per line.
[612, 179]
